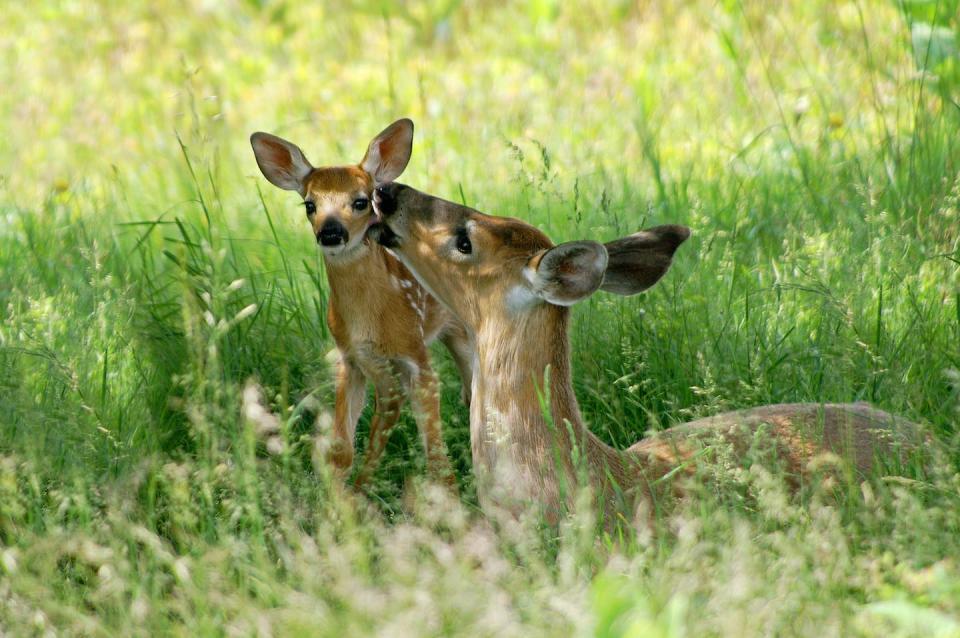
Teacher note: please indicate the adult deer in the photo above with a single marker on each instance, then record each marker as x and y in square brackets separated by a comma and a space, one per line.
[381, 319]
[512, 289]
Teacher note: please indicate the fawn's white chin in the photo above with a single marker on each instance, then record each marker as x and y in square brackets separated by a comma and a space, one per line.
[344, 252]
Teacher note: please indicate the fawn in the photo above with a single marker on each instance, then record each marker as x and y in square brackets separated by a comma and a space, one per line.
[381, 319]
[511, 287]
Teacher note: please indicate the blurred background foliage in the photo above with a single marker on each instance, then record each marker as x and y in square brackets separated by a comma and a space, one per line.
[96, 87]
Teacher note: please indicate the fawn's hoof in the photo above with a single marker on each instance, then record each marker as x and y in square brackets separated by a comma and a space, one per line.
[340, 455]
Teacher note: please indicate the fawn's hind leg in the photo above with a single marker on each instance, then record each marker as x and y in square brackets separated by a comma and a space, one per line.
[390, 394]
[425, 400]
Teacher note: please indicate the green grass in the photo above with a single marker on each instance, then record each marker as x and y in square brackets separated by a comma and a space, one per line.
[148, 273]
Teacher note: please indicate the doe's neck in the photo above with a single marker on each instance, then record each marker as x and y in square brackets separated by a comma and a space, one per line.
[523, 445]
[521, 359]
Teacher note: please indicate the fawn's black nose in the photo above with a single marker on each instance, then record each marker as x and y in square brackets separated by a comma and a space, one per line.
[332, 233]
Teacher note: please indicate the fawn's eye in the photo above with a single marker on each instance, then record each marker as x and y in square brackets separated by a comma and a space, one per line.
[311, 207]
[463, 242]
[360, 203]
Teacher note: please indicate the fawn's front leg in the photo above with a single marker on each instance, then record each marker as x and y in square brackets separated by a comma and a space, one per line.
[350, 397]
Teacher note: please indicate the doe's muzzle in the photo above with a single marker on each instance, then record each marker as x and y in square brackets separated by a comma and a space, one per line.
[385, 198]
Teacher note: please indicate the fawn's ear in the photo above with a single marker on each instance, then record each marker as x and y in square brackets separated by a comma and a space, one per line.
[637, 262]
[389, 152]
[281, 162]
[567, 273]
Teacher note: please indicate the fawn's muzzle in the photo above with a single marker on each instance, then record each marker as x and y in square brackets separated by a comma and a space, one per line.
[332, 233]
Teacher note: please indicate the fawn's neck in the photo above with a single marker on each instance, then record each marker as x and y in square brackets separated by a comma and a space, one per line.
[363, 290]
[344, 272]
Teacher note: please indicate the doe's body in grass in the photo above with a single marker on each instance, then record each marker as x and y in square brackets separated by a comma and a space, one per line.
[381, 318]
[512, 288]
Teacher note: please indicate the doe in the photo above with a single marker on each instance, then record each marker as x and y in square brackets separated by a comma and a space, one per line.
[512, 288]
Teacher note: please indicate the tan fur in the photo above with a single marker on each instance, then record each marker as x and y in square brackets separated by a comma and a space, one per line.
[381, 318]
[523, 453]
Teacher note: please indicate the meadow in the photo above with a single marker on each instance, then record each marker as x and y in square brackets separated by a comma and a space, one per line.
[165, 365]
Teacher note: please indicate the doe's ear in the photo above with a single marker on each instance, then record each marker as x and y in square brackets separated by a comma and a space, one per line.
[280, 161]
[389, 152]
[640, 260]
[567, 273]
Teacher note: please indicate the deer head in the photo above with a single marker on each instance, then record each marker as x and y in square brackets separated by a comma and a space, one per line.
[480, 265]
[336, 198]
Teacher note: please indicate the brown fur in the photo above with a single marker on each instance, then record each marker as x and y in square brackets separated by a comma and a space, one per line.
[522, 454]
[381, 318]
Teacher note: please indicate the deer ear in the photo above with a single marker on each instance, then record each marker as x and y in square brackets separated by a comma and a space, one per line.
[640, 260]
[389, 152]
[280, 161]
[567, 273]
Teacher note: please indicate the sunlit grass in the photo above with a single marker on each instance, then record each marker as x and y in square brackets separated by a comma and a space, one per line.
[148, 273]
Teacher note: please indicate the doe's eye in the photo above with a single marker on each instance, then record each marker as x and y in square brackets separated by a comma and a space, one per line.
[310, 206]
[463, 242]
[360, 203]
